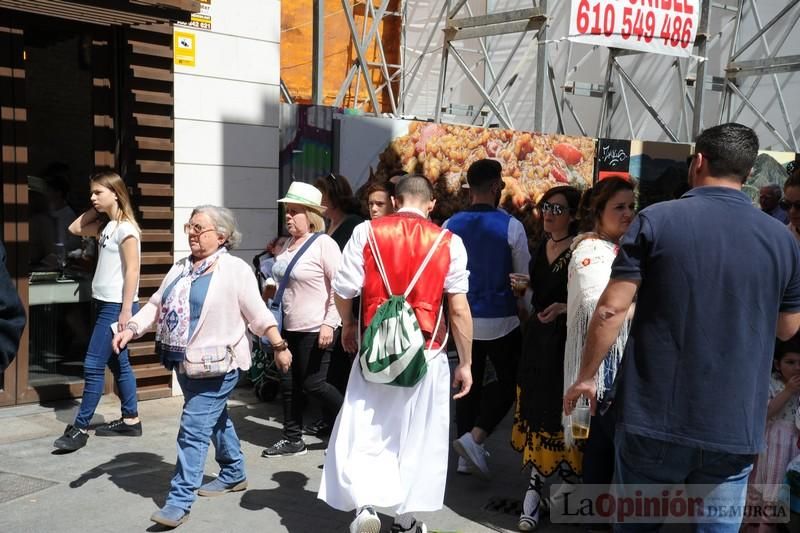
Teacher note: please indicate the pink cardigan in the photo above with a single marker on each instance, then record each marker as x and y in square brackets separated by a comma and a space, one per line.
[233, 305]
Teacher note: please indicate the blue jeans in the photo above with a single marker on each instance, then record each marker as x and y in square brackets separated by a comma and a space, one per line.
[205, 419]
[643, 460]
[98, 355]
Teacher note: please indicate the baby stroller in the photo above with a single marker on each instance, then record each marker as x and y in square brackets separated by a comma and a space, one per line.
[263, 372]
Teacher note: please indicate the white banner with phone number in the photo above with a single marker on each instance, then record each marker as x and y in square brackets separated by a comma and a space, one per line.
[658, 26]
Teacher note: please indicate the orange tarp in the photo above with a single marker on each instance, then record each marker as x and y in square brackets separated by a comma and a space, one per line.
[297, 34]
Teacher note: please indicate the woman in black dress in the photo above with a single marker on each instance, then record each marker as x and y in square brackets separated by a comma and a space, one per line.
[537, 431]
[343, 212]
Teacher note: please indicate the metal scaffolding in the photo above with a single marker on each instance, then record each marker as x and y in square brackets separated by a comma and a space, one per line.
[362, 70]
[636, 95]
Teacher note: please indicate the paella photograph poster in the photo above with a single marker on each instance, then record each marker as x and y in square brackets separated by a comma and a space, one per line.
[372, 149]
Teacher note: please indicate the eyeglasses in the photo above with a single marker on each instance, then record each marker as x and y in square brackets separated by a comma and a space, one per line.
[556, 209]
[195, 229]
[787, 205]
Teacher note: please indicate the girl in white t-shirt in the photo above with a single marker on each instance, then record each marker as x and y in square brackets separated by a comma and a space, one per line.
[114, 293]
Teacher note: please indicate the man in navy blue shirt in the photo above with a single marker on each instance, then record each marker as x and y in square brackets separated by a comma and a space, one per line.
[717, 279]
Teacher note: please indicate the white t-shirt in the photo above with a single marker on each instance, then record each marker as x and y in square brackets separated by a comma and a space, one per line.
[108, 279]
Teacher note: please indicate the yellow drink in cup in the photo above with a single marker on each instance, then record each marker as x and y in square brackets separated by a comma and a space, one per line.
[580, 419]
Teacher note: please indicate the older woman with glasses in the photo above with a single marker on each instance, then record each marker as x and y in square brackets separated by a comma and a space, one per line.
[203, 311]
[537, 423]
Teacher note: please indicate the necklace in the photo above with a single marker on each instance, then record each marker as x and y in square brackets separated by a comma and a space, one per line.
[556, 241]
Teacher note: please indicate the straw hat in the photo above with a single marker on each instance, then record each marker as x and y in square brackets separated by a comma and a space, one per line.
[304, 194]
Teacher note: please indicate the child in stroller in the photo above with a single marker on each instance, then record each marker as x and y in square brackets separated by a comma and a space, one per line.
[263, 372]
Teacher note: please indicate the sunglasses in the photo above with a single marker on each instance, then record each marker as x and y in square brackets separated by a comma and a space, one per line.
[555, 209]
[787, 205]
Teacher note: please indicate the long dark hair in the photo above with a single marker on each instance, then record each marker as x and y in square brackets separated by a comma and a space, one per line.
[594, 200]
[573, 197]
[339, 192]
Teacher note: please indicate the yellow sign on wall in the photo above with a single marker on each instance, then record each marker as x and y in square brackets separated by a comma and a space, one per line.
[184, 48]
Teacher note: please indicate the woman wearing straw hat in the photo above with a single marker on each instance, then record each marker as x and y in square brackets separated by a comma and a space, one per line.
[309, 315]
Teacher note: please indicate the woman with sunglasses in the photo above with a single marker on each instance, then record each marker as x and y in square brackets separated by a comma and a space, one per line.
[537, 422]
[791, 202]
[208, 301]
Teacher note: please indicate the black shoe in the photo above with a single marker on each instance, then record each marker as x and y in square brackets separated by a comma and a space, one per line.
[416, 527]
[72, 439]
[285, 448]
[118, 428]
[319, 428]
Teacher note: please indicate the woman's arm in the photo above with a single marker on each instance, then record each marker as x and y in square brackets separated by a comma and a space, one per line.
[259, 319]
[129, 248]
[330, 257]
[147, 315]
[87, 224]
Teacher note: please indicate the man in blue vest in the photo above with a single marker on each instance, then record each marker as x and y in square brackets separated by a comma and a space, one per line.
[496, 247]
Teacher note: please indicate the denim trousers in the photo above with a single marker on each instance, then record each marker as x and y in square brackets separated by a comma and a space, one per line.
[722, 477]
[99, 355]
[308, 376]
[205, 419]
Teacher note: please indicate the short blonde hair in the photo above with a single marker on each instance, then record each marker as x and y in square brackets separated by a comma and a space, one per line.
[315, 221]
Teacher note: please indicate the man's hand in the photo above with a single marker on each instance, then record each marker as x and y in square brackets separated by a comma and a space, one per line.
[283, 359]
[349, 338]
[587, 389]
[325, 337]
[121, 340]
[462, 380]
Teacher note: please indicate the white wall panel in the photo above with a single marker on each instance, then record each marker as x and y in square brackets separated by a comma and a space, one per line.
[232, 58]
[258, 226]
[221, 100]
[213, 143]
[254, 19]
[232, 187]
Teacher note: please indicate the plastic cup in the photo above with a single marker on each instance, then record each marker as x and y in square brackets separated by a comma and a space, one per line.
[519, 282]
[580, 419]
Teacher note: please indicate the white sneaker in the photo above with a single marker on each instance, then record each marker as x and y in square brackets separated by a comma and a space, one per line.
[463, 466]
[366, 521]
[473, 453]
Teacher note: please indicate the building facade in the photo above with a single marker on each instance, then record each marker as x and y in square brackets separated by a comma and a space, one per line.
[97, 84]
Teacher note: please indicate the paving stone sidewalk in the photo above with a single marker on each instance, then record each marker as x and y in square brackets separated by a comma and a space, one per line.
[115, 483]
